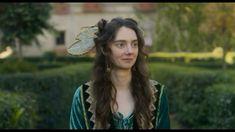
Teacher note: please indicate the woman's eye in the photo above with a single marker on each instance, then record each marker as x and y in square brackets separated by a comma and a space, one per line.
[120, 45]
[134, 45]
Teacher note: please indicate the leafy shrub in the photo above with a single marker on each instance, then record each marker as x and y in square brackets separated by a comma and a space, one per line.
[54, 89]
[18, 110]
[47, 65]
[49, 56]
[193, 93]
[188, 96]
[220, 105]
[17, 66]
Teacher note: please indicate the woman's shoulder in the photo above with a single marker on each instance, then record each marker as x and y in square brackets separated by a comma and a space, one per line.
[83, 86]
[88, 83]
[155, 83]
[157, 86]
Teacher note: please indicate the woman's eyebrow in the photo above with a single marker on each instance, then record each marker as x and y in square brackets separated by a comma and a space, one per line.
[124, 41]
[119, 41]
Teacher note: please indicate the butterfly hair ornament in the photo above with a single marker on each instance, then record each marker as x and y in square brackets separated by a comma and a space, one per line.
[84, 41]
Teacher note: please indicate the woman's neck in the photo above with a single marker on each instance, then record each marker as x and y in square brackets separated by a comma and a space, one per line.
[121, 79]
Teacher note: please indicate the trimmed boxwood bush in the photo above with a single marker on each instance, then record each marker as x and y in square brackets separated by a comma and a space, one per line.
[220, 105]
[17, 66]
[64, 59]
[18, 110]
[192, 93]
[54, 89]
[188, 96]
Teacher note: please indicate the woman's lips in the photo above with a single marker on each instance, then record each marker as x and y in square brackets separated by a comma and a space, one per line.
[127, 59]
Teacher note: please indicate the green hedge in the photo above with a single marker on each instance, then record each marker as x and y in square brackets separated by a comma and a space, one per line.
[65, 59]
[17, 66]
[220, 105]
[32, 64]
[54, 89]
[48, 65]
[189, 96]
[18, 110]
[193, 93]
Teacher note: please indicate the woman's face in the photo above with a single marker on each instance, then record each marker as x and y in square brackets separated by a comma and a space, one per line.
[124, 48]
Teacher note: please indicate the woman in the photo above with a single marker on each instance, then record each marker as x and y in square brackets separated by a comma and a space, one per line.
[120, 94]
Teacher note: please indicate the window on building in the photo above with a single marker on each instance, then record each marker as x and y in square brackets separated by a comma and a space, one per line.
[146, 7]
[61, 8]
[91, 7]
[60, 39]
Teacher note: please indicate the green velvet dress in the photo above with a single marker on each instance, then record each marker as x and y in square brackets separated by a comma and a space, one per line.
[83, 108]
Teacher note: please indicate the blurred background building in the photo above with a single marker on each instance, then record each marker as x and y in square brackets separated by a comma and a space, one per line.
[68, 18]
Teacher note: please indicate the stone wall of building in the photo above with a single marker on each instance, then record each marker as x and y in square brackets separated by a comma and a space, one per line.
[70, 17]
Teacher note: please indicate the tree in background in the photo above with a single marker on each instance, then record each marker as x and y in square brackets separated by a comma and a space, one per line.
[220, 23]
[21, 23]
[177, 28]
[145, 13]
[194, 27]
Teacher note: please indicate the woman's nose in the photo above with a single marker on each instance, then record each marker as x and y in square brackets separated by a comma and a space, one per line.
[129, 49]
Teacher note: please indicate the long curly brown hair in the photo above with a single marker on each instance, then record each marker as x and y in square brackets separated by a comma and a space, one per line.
[103, 86]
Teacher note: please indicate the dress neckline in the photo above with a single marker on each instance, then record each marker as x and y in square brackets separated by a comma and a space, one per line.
[119, 115]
